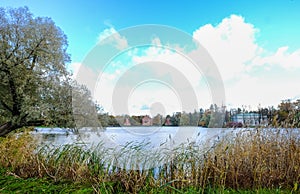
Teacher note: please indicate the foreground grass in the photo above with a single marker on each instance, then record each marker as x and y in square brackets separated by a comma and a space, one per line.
[255, 161]
[10, 183]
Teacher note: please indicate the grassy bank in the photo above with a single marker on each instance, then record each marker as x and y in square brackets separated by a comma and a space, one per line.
[265, 161]
[10, 183]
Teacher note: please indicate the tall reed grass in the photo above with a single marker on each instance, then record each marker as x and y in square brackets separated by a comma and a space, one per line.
[251, 159]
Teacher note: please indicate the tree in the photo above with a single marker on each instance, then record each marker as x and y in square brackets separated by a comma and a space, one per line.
[157, 120]
[205, 119]
[195, 117]
[32, 69]
[184, 119]
[175, 119]
[84, 109]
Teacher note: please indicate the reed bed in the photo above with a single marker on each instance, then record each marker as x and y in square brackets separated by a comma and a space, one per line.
[253, 159]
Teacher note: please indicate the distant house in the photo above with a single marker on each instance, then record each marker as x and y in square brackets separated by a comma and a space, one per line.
[250, 119]
[127, 122]
[168, 121]
[146, 120]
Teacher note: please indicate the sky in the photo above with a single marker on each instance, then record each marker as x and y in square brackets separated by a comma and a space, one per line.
[255, 46]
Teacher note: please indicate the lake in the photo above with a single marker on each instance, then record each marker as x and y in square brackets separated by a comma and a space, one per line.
[126, 147]
[121, 136]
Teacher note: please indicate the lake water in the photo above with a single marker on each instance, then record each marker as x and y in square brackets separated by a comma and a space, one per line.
[131, 145]
[121, 136]
[126, 147]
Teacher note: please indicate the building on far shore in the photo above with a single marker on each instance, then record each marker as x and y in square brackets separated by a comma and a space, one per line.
[168, 121]
[147, 121]
[250, 119]
[127, 122]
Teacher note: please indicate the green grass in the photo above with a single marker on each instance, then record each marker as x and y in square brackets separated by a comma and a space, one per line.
[13, 184]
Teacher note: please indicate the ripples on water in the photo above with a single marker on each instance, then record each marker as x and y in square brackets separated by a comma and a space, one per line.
[152, 136]
[131, 144]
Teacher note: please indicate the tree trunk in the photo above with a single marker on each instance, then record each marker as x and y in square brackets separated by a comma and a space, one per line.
[6, 128]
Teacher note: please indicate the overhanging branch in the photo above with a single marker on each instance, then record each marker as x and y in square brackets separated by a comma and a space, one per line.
[6, 106]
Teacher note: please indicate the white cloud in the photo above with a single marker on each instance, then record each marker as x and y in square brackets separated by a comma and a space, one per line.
[171, 58]
[231, 44]
[156, 41]
[282, 57]
[104, 90]
[84, 75]
[242, 62]
[253, 91]
[244, 65]
[142, 96]
[111, 36]
[74, 68]
[148, 94]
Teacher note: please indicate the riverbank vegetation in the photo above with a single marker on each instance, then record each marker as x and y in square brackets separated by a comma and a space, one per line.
[286, 114]
[264, 160]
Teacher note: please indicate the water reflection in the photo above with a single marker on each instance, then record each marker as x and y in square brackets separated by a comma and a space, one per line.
[122, 145]
[121, 136]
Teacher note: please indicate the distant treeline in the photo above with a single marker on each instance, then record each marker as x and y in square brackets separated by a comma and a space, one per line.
[287, 114]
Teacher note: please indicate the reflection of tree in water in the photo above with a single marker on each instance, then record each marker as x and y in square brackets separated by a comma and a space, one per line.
[55, 139]
[49, 137]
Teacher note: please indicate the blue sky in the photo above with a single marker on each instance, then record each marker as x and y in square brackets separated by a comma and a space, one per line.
[264, 69]
[82, 21]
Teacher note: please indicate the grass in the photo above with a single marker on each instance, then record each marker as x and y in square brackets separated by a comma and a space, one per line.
[253, 161]
[11, 183]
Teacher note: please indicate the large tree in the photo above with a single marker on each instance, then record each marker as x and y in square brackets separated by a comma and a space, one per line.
[34, 80]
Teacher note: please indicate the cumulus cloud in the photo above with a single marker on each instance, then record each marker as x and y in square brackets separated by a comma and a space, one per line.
[84, 75]
[245, 66]
[171, 58]
[252, 75]
[142, 100]
[282, 57]
[111, 36]
[74, 68]
[231, 44]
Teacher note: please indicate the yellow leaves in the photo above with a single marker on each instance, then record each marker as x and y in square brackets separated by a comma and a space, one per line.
[16, 150]
[295, 188]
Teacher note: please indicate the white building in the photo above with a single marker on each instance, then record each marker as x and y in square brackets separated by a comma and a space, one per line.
[250, 119]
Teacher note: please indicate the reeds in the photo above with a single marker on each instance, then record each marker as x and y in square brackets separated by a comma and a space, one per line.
[261, 158]
[250, 160]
